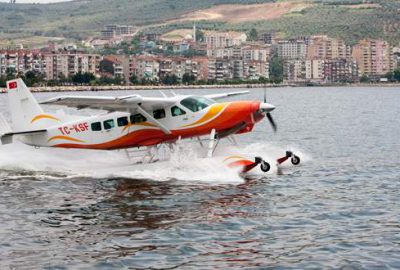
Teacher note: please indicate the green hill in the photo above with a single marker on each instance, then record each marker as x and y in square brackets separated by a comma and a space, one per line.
[81, 18]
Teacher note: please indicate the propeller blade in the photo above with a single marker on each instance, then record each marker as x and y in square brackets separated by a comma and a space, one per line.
[271, 121]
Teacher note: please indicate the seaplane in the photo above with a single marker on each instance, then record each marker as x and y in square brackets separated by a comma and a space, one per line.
[137, 122]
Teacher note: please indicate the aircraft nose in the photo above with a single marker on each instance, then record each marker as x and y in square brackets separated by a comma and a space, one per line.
[266, 107]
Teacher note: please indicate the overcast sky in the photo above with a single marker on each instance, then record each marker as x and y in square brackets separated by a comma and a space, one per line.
[35, 1]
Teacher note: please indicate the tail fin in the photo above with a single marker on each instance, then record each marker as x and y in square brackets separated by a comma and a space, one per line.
[23, 106]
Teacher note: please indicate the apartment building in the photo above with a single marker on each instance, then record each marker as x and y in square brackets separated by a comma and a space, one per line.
[247, 51]
[341, 70]
[237, 69]
[292, 49]
[197, 66]
[146, 67]
[215, 39]
[113, 30]
[172, 66]
[64, 65]
[267, 38]
[324, 47]
[373, 57]
[220, 70]
[255, 69]
[255, 52]
[116, 66]
[20, 61]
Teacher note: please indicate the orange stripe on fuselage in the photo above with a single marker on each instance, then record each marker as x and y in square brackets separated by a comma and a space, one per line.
[67, 138]
[146, 124]
[212, 113]
[44, 116]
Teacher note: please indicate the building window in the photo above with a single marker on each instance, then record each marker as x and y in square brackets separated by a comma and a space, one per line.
[122, 121]
[176, 111]
[159, 114]
[96, 126]
[109, 124]
[137, 118]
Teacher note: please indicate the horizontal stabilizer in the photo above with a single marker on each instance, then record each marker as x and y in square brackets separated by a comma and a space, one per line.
[123, 104]
[7, 137]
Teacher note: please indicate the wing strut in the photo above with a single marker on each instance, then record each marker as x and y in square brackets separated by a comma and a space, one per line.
[153, 120]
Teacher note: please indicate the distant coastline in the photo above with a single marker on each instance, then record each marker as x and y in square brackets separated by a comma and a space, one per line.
[183, 87]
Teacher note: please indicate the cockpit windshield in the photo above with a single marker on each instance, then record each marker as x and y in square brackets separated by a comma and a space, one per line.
[196, 104]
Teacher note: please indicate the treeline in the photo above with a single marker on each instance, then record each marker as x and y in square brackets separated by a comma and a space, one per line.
[189, 79]
[37, 79]
[390, 76]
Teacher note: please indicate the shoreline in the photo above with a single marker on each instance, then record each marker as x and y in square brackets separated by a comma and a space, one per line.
[82, 88]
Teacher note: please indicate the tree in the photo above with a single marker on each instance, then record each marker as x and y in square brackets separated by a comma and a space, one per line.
[134, 79]
[83, 78]
[170, 79]
[396, 74]
[364, 78]
[3, 81]
[188, 78]
[199, 35]
[390, 76]
[263, 80]
[31, 78]
[253, 35]
[276, 69]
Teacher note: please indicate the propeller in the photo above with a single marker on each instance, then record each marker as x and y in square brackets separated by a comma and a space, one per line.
[268, 114]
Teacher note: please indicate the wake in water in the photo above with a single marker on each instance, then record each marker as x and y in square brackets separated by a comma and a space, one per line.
[185, 163]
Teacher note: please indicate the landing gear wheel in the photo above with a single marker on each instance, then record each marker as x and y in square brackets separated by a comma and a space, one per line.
[264, 166]
[295, 160]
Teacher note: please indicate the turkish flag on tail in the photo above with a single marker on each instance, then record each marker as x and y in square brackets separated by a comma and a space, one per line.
[12, 85]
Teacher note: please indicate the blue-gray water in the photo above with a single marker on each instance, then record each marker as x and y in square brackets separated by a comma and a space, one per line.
[340, 209]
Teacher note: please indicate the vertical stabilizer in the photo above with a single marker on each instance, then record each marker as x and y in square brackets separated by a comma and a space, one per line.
[23, 106]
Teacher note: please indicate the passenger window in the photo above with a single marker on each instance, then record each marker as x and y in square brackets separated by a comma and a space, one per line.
[159, 114]
[122, 121]
[176, 111]
[109, 124]
[96, 126]
[137, 118]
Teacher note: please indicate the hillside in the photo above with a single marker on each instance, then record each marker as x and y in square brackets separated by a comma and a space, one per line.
[347, 19]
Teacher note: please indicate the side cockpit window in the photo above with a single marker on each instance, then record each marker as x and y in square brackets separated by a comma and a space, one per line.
[96, 126]
[176, 111]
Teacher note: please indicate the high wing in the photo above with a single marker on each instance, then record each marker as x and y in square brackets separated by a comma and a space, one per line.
[122, 104]
[131, 104]
[225, 95]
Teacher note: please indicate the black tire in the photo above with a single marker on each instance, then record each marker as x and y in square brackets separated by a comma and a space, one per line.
[295, 160]
[265, 167]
